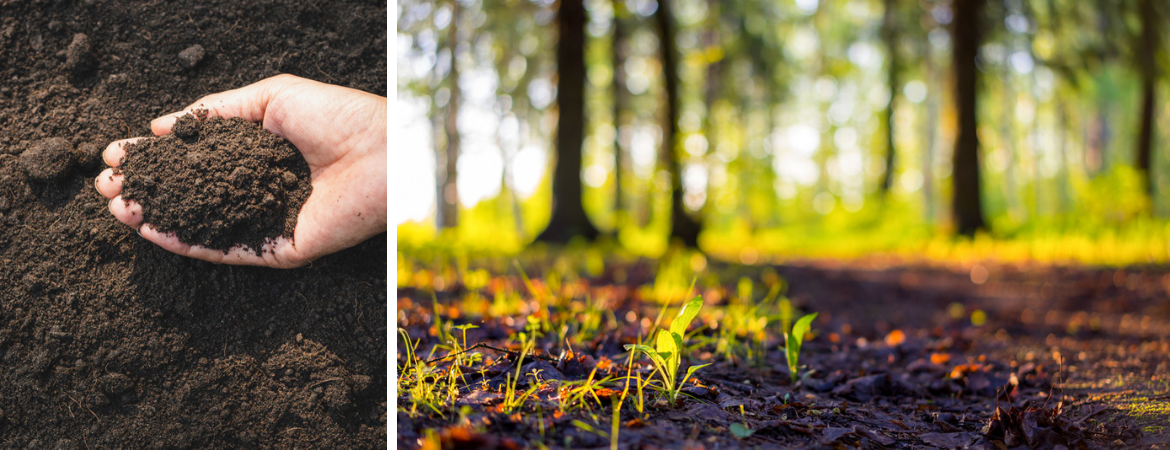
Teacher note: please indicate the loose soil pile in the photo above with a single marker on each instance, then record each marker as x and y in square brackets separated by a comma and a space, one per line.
[217, 183]
[107, 341]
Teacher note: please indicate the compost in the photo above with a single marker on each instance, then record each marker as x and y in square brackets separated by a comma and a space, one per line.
[217, 183]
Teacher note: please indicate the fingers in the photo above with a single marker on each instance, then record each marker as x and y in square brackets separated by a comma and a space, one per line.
[129, 213]
[116, 150]
[276, 254]
[248, 103]
[109, 184]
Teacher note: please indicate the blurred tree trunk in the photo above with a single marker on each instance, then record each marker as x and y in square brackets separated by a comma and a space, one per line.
[889, 34]
[449, 199]
[1007, 140]
[932, 111]
[682, 226]
[1097, 136]
[1148, 51]
[711, 88]
[1146, 134]
[1062, 132]
[568, 216]
[619, 100]
[968, 209]
[1098, 133]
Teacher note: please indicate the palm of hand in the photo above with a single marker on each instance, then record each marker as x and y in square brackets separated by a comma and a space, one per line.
[341, 134]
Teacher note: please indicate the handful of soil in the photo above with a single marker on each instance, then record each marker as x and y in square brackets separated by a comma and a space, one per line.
[217, 183]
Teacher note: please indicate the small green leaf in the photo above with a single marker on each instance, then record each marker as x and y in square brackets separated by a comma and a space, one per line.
[740, 431]
[665, 342]
[691, 371]
[678, 344]
[642, 348]
[802, 327]
[793, 354]
[686, 315]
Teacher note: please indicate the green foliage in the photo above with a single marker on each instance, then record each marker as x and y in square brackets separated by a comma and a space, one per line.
[794, 338]
[667, 352]
[576, 394]
[421, 382]
[513, 399]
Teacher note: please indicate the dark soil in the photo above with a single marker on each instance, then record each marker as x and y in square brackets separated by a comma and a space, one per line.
[107, 341]
[904, 356]
[217, 183]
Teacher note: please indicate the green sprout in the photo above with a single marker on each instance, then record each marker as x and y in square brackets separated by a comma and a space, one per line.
[667, 353]
[793, 339]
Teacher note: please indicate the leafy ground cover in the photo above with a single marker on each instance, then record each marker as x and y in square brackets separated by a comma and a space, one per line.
[561, 349]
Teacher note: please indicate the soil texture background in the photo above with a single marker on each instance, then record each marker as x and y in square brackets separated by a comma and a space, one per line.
[218, 183]
[107, 341]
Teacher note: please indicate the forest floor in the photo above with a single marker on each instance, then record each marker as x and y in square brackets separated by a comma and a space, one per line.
[901, 355]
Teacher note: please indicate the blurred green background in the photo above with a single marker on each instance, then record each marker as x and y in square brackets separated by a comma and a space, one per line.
[786, 129]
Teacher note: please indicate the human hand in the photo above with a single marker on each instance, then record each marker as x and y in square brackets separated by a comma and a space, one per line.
[341, 132]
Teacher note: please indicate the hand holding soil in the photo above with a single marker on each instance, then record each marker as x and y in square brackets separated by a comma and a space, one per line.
[340, 132]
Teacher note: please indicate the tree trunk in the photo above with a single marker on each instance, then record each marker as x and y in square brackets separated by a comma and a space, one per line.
[932, 112]
[1007, 139]
[568, 215]
[619, 98]
[449, 199]
[968, 208]
[1146, 135]
[682, 226]
[1062, 132]
[890, 37]
[1149, 46]
[711, 90]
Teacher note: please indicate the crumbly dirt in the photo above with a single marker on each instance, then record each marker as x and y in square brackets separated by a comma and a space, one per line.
[107, 341]
[972, 355]
[218, 183]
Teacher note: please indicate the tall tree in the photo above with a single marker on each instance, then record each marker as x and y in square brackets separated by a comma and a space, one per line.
[1147, 52]
[682, 226]
[619, 100]
[714, 55]
[967, 37]
[568, 212]
[889, 34]
[448, 200]
[933, 105]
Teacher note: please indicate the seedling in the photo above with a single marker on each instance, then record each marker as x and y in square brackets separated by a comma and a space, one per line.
[666, 355]
[419, 380]
[793, 340]
[577, 393]
[513, 400]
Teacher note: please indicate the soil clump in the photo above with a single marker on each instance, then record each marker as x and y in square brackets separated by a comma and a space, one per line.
[48, 160]
[217, 182]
